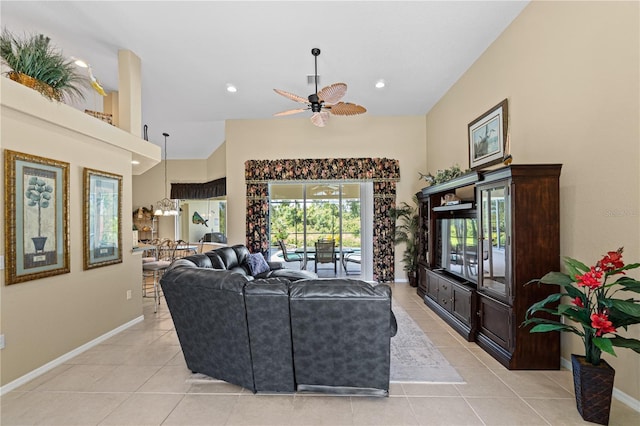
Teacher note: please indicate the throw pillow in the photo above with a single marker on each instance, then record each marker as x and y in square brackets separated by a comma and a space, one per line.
[257, 264]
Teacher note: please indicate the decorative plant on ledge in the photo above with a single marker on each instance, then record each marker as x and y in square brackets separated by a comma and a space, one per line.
[443, 175]
[35, 63]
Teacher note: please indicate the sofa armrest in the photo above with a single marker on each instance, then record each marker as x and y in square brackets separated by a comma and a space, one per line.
[275, 265]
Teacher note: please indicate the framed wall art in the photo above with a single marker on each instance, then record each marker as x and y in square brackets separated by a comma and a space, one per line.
[102, 218]
[36, 217]
[487, 136]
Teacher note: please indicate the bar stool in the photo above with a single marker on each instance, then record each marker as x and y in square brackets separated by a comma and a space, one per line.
[154, 269]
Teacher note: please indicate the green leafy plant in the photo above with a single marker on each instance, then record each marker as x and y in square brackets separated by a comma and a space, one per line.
[591, 304]
[443, 175]
[56, 76]
[406, 231]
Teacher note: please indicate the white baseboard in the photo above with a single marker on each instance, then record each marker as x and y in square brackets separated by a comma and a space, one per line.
[62, 359]
[617, 393]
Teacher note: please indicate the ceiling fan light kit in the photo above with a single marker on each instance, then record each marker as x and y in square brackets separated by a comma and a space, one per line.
[322, 102]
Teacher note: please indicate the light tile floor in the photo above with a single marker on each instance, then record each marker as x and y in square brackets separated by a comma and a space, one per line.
[139, 378]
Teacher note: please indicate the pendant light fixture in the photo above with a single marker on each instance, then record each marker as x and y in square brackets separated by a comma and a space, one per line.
[166, 207]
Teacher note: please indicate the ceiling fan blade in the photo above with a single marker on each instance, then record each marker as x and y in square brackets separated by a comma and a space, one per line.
[333, 93]
[291, 96]
[320, 118]
[290, 112]
[346, 108]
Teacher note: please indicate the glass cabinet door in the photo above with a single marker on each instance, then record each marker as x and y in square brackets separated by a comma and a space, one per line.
[495, 240]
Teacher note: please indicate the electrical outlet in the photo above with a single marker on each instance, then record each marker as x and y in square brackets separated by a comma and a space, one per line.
[128, 294]
[1, 341]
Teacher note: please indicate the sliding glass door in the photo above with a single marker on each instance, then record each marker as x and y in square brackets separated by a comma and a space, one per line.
[302, 213]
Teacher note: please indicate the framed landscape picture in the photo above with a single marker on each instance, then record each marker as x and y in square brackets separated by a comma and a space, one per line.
[36, 217]
[487, 136]
[102, 218]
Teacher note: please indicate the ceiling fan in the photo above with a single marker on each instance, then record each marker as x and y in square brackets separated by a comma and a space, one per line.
[323, 102]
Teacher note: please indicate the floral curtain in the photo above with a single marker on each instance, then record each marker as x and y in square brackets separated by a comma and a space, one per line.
[383, 172]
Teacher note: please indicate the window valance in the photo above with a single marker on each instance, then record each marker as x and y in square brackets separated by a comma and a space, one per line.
[199, 191]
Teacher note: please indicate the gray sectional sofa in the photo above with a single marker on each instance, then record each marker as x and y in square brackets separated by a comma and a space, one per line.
[277, 335]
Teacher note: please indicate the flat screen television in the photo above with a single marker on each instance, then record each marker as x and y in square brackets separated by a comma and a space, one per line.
[457, 245]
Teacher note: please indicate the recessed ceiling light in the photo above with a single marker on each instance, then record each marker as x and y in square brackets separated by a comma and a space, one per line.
[231, 88]
[79, 62]
[135, 162]
[380, 84]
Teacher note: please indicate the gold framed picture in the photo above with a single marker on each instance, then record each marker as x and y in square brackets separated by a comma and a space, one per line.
[36, 217]
[102, 218]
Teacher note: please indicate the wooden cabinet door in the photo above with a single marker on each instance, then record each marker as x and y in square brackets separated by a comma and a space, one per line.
[432, 285]
[461, 303]
[495, 239]
[495, 322]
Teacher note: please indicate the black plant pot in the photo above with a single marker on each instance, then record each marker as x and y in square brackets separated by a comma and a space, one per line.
[593, 386]
[413, 279]
[38, 243]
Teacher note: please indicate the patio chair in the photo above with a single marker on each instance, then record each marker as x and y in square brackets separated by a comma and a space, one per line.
[290, 257]
[325, 253]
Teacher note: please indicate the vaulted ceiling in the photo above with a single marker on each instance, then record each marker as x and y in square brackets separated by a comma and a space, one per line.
[192, 50]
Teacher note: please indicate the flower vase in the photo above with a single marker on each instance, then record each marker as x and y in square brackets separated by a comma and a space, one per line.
[593, 386]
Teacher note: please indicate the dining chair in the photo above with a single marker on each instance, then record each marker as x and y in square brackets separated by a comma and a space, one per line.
[183, 249]
[290, 257]
[325, 253]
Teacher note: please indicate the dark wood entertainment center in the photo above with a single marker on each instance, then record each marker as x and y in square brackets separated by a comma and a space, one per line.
[508, 222]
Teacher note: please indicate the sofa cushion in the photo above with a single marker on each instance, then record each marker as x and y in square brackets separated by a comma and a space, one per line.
[227, 258]
[292, 274]
[197, 260]
[257, 264]
[341, 333]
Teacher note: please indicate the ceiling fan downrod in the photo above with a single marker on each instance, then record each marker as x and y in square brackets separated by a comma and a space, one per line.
[313, 98]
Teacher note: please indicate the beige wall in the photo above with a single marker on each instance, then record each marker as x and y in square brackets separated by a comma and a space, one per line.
[400, 138]
[570, 71]
[217, 163]
[47, 318]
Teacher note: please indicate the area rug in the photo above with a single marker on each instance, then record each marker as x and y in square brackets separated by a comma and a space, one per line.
[414, 358]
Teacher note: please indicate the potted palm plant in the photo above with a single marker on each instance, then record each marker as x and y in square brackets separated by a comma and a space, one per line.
[406, 231]
[37, 64]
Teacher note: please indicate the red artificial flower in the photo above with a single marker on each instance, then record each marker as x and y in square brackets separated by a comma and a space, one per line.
[590, 279]
[578, 302]
[602, 324]
[612, 261]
